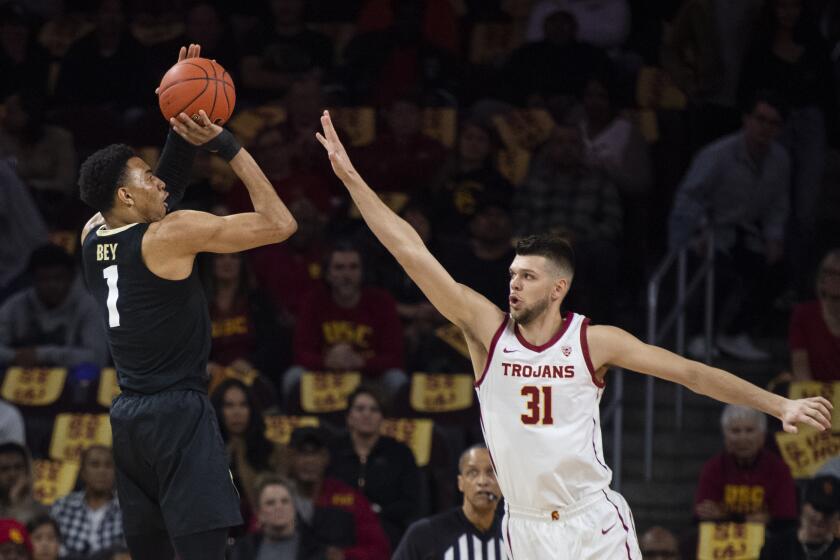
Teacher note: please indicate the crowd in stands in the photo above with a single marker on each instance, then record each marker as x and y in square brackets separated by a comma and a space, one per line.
[632, 127]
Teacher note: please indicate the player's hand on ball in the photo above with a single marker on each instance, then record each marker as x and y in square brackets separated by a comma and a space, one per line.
[340, 161]
[193, 51]
[814, 411]
[196, 133]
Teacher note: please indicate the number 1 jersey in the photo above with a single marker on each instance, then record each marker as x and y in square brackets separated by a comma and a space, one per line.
[158, 330]
[540, 416]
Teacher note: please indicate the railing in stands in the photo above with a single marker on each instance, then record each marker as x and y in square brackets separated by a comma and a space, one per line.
[675, 319]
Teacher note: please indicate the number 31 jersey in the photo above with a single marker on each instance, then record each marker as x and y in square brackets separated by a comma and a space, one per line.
[540, 416]
[158, 330]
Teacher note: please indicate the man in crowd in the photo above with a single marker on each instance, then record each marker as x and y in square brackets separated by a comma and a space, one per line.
[658, 543]
[16, 499]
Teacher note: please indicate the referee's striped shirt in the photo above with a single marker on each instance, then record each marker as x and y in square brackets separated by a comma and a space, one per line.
[450, 536]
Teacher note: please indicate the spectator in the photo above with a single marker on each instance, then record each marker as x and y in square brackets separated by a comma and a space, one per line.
[815, 327]
[348, 326]
[477, 521]
[283, 51]
[280, 535]
[243, 321]
[746, 482]
[466, 179]
[308, 461]
[116, 552]
[24, 64]
[402, 158]
[738, 186]
[243, 429]
[46, 538]
[564, 195]
[14, 541]
[90, 519]
[439, 19]
[815, 538]
[54, 323]
[603, 23]
[658, 543]
[380, 467]
[16, 499]
[22, 230]
[482, 261]
[11, 424]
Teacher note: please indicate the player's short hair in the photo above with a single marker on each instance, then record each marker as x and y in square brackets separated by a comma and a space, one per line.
[466, 452]
[102, 173]
[551, 246]
[48, 256]
[734, 412]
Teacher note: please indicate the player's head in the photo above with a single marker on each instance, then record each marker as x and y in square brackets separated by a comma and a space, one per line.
[540, 276]
[344, 271]
[96, 470]
[365, 408]
[309, 455]
[116, 182]
[744, 431]
[276, 513]
[14, 465]
[477, 479]
[46, 537]
[52, 271]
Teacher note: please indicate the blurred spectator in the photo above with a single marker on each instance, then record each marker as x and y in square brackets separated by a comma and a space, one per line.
[466, 179]
[243, 321]
[243, 430]
[658, 543]
[380, 467]
[348, 326]
[22, 230]
[603, 23]
[308, 460]
[108, 55]
[477, 521]
[11, 424]
[555, 66]
[387, 64]
[402, 158]
[440, 24]
[739, 186]
[814, 334]
[746, 482]
[90, 519]
[116, 552]
[280, 535]
[16, 499]
[704, 52]
[562, 194]
[54, 323]
[44, 156]
[24, 64]
[14, 541]
[483, 260]
[815, 538]
[282, 51]
[46, 538]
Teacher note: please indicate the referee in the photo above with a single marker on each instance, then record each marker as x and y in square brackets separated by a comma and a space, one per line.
[470, 532]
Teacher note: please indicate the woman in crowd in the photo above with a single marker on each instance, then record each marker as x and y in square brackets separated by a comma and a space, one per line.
[45, 536]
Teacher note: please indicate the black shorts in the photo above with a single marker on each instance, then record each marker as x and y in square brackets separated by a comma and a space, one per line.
[171, 464]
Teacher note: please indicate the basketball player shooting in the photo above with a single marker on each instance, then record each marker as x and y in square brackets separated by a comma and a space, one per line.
[539, 375]
[173, 482]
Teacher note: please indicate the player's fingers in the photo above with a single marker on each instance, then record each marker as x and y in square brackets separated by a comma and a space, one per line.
[330, 130]
[790, 428]
[197, 50]
[824, 401]
[322, 140]
[189, 124]
[182, 54]
[205, 120]
[823, 411]
[814, 423]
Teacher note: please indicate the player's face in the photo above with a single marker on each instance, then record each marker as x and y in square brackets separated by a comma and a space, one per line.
[534, 286]
[477, 480]
[12, 469]
[235, 411]
[364, 416]
[44, 543]
[277, 510]
[98, 471]
[144, 192]
[743, 439]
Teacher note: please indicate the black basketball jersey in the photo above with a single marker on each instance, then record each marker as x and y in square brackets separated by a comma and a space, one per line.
[158, 330]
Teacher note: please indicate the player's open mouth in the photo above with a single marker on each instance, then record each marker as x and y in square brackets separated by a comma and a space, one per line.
[489, 496]
[513, 300]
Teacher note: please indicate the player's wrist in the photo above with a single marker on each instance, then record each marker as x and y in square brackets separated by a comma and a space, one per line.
[224, 144]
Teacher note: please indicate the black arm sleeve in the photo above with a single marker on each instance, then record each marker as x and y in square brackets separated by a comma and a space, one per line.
[175, 167]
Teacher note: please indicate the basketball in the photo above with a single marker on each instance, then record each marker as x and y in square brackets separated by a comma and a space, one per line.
[194, 84]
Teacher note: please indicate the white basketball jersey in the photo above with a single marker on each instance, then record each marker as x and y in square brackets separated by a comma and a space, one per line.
[540, 416]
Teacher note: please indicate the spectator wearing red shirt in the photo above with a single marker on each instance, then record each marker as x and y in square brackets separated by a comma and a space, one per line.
[815, 327]
[317, 494]
[746, 482]
[348, 327]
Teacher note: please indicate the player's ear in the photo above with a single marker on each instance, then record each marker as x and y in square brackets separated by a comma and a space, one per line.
[461, 483]
[124, 197]
[561, 287]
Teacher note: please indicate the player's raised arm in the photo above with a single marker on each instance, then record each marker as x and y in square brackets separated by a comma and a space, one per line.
[613, 346]
[462, 306]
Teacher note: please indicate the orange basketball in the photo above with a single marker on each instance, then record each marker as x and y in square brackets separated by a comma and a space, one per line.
[194, 84]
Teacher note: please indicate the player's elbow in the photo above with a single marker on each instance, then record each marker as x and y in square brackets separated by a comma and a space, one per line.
[284, 229]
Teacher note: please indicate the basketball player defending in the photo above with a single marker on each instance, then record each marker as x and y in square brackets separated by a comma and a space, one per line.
[539, 377]
[173, 482]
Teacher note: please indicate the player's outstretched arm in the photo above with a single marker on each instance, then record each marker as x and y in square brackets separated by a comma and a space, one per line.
[613, 346]
[462, 306]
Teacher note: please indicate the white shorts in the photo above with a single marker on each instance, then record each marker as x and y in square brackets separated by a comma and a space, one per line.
[599, 527]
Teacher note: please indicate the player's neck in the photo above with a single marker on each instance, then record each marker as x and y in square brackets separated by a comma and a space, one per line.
[114, 220]
[541, 329]
[481, 520]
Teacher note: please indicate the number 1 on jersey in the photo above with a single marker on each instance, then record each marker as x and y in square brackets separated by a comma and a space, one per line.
[533, 405]
[112, 275]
